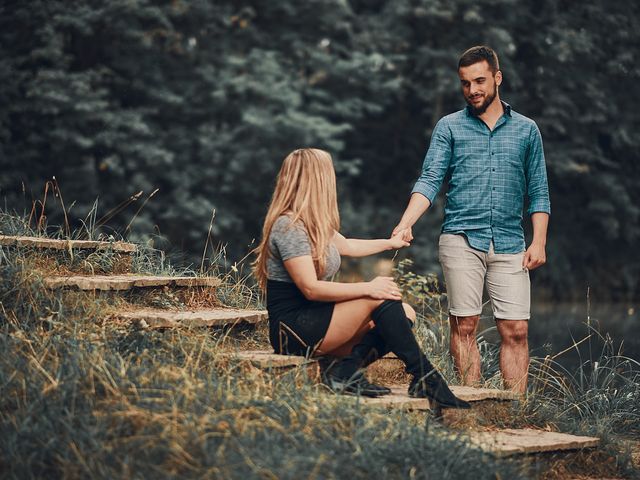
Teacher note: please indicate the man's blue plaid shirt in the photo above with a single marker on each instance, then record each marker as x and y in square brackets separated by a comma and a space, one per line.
[489, 173]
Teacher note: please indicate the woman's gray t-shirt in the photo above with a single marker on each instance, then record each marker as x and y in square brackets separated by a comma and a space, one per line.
[289, 240]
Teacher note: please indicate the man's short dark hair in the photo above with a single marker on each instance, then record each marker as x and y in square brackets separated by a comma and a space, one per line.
[480, 54]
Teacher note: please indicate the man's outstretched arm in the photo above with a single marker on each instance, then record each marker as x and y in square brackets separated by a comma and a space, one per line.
[418, 204]
[434, 169]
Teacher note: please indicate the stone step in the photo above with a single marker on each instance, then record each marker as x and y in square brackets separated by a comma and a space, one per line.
[206, 317]
[399, 397]
[126, 281]
[509, 442]
[50, 243]
[266, 359]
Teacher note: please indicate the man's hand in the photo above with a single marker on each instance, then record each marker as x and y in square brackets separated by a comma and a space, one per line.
[534, 257]
[404, 230]
[397, 241]
[418, 204]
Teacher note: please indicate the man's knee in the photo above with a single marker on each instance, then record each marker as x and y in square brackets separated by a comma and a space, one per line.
[464, 326]
[409, 312]
[514, 332]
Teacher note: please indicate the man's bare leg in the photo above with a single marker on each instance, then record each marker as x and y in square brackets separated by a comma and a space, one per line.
[514, 354]
[464, 348]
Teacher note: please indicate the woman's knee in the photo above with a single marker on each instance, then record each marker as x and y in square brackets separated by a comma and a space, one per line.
[410, 312]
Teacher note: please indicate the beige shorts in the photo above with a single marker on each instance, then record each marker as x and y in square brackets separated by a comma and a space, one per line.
[465, 271]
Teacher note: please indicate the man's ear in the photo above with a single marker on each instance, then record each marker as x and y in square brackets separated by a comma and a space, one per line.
[498, 77]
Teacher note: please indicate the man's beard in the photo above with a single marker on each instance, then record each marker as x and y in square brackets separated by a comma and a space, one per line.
[484, 105]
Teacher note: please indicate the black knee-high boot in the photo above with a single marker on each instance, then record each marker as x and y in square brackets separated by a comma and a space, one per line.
[391, 323]
[373, 347]
[370, 348]
[346, 375]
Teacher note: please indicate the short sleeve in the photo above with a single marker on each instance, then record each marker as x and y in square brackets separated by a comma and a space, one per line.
[289, 240]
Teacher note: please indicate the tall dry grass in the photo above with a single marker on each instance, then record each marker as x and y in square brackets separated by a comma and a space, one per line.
[82, 397]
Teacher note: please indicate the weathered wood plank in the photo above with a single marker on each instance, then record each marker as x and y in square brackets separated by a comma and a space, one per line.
[126, 282]
[399, 398]
[210, 317]
[526, 441]
[266, 359]
[50, 243]
[476, 394]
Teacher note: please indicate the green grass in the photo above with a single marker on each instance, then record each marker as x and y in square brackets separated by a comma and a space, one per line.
[83, 398]
[165, 405]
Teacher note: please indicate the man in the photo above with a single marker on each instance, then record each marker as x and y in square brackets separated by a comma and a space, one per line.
[492, 157]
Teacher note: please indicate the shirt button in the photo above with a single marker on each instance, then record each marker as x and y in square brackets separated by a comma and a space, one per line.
[493, 153]
[494, 188]
[493, 169]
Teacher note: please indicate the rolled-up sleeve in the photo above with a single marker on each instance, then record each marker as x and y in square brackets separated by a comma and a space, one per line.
[436, 162]
[536, 175]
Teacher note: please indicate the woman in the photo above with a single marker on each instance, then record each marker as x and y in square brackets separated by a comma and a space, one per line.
[309, 314]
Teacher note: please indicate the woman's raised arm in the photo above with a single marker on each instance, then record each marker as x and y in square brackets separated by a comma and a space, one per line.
[353, 247]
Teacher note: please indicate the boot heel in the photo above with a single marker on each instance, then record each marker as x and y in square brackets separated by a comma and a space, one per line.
[434, 388]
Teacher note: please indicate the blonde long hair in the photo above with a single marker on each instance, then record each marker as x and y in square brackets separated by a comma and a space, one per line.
[305, 190]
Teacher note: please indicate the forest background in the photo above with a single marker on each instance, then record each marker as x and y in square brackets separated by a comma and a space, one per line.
[203, 99]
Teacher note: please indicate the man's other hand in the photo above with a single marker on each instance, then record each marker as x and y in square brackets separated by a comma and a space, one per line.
[534, 257]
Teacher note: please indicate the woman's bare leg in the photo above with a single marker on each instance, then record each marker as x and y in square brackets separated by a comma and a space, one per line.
[345, 349]
[349, 323]
[349, 320]
[410, 312]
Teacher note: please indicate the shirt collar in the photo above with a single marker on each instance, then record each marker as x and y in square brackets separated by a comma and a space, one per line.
[505, 106]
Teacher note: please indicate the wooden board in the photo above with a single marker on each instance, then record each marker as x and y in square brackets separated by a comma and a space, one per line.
[50, 243]
[526, 441]
[209, 317]
[399, 398]
[126, 282]
[266, 359]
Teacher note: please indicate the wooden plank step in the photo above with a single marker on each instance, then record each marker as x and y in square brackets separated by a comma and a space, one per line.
[126, 281]
[50, 243]
[399, 398]
[511, 441]
[209, 317]
[266, 359]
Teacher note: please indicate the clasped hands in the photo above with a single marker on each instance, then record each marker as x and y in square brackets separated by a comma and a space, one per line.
[403, 232]
[401, 237]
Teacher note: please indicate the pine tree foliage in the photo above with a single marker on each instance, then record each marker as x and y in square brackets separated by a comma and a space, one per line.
[203, 99]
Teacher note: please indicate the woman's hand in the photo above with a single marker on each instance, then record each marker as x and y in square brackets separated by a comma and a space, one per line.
[384, 288]
[398, 241]
[403, 230]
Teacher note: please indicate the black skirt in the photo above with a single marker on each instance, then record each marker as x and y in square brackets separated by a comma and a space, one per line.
[297, 326]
